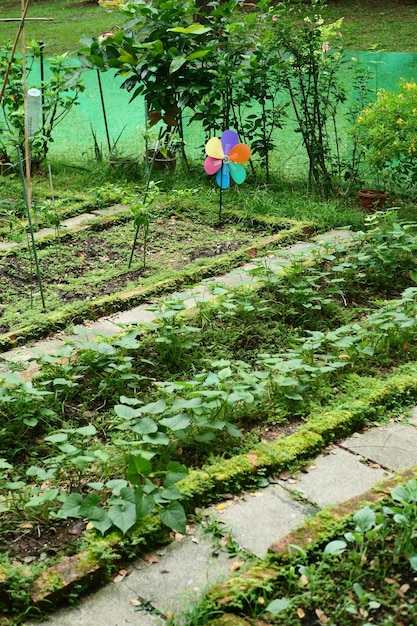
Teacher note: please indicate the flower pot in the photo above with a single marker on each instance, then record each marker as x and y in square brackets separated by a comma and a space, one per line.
[372, 199]
[162, 163]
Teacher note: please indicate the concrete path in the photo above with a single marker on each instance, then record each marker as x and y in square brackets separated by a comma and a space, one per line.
[112, 325]
[166, 581]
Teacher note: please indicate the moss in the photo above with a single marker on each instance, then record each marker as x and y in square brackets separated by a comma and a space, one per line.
[238, 588]
[229, 619]
[122, 301]
[298, 446]
[196, 484]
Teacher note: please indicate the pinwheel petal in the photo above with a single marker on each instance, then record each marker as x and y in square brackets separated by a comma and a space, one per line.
[223, 177]
[240, 153]
[214, 148]
[211, 165]
[237, 172]
[229, 140]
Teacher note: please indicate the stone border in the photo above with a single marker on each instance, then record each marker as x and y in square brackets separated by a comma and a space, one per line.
[55, 583]
[122, 301]
[308, 536]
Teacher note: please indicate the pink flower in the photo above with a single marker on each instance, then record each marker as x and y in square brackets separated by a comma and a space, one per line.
[274, 18]
[325, 47]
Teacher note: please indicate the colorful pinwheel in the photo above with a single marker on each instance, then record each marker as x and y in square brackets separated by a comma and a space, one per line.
[224, 156]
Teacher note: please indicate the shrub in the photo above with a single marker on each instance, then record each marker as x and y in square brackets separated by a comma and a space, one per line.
[387, 131]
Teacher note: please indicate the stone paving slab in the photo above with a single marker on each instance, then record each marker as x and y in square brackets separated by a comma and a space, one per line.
[393, 446]
[260, 517]
[337, 476]
[5, 246]
[94, 330]
[111, 210]
[138, 315]
[182, 572]
[26, 353]
[412, 418]
[79, 220]
[43, 233]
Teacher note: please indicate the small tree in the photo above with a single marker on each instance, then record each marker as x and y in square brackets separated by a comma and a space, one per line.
[60, 92]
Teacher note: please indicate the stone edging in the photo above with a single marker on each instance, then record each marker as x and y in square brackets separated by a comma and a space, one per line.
[83, 570]
[123, 301]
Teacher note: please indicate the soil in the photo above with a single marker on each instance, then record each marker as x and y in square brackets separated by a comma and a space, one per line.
[94, 263]
[32, 541]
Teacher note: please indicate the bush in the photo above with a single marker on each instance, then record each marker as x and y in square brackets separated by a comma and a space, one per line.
[387, 131]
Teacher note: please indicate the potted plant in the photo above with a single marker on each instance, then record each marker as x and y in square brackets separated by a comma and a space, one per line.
[161, 50]
[161, 150]
[387, 133]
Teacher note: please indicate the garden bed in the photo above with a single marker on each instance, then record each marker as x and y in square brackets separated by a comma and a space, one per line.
[82, 272]
[253, 383]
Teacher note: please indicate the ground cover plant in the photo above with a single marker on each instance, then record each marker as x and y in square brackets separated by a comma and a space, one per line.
[97, 450]
[371, 562]
[262, 357]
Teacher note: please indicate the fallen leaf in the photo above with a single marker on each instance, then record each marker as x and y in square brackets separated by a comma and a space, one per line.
[190, 529]
[221, 506]
[261, 600]
[135, 602]
[292, 481]
[194, 540]
[227, 496]
[301, 613]
[150, 559]
[251, 253]
[403, 589]
[253, 459]
[391, 581]
[374, 465]
[121, 575]
[225, 599]
[178, 537]
[235, 565]
[363, 612]
[304, 580]
[323, 619]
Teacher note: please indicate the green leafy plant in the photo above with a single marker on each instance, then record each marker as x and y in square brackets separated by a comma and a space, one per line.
[161, 48]
[386, 131]
[131, 499]
[310, 55]
[60, 92]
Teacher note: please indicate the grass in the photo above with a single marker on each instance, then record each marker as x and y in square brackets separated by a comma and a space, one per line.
[388, 24]
[70, 20]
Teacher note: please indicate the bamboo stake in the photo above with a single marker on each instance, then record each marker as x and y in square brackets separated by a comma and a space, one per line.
[16, 40]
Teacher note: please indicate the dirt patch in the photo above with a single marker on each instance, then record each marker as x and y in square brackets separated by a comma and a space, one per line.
[32, 542]
[95, 263]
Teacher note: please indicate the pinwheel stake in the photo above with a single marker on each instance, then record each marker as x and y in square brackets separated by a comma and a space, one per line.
[223, 158]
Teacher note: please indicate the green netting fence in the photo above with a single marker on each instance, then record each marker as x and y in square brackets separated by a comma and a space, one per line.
[73, 138]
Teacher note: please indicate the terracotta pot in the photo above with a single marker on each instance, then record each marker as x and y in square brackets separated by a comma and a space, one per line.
[372, 199]
[162, 163]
